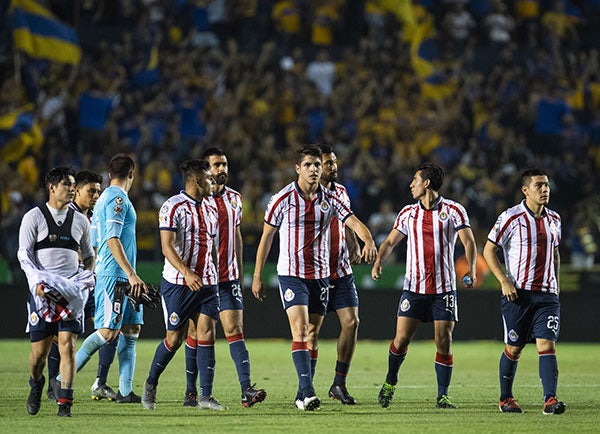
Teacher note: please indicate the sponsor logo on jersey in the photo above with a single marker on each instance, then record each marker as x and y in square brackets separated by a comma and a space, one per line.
[288, 295]
[53, 237]
[174, 319]
[118, 209]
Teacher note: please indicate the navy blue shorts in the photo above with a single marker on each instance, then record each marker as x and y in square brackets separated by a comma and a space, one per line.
[39, 329]
[532, 315]
[342, 293]
[90, 306]
[429, 307]
[230, 296]
[180, 303]
[296, 291]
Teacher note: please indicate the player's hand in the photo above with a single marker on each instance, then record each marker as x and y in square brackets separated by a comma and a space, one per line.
[192, 281]
[258, 289]
[137, 285]
[376, 271]
[355, 256]
[39, 290]
[369, 253]
[509, 290]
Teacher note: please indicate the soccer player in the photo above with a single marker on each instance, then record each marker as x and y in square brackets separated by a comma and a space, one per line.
[113, 229]
[302, 212]
[229, 242]
[50, 239]
[188, 223]
[343, 298]
[431, 226]
[529, 234]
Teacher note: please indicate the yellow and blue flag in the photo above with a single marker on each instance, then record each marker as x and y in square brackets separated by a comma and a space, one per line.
[40, 34]
[19, 132]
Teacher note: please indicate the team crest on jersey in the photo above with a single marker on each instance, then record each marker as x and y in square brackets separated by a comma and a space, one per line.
[405, 305]
[34, 318]
[443, 216]
[288, 295]
[512, 335]
[119, 200]
[53, 237]
[234, 203]
[174, 319]
[324, 206]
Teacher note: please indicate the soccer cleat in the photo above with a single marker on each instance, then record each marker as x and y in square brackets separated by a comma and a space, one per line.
[252, 396]
[132, 398]
[54, 384]
[386, 394]
[103, 391]
[34, 400]
[311, 403]
[149, 396]
[444, 402]
[210, 403]
[191, 399]
[339, 392]
[64, 410]
[509, 405]
[554, 406]
[299, 402]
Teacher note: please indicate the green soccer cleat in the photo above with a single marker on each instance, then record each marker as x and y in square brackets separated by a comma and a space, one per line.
[386, 394]
[444, 402]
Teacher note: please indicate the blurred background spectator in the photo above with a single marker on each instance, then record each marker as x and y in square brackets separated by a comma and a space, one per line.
[486, 88]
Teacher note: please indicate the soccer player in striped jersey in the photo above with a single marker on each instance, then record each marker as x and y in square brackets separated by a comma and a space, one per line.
[528, 234]
[302, 213]
[229, 250]
[343, 298]
[188, 223]
[431, 226]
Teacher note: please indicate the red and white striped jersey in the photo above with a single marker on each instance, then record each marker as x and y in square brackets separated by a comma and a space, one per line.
[339, 260]
[431, 237]
[229, 208]
[195, 225]
[304, 230]
[528, 244]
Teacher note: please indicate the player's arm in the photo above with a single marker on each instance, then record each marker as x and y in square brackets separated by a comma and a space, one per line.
[490, 254]
[167, 245]
[386, 248]
[369, 250]
[116, 249]
[557, 267]
[353, 246]
[468, 241]
[264, 247]
[239, 253]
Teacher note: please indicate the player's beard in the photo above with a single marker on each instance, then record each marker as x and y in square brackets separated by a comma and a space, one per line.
[331, 177]
[222, 178]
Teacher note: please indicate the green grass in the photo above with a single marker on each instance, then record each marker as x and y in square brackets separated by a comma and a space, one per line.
[474, 388]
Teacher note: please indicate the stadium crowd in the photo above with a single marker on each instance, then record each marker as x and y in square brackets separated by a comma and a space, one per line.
[485, 88]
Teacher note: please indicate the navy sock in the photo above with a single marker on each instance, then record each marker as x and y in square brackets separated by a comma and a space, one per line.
[191, 365]
[239, 354]
[162, 356]
[303, 370]
[395, 359]
[508, 370]
[341, 371]
[548, 369]
[314, 357]
[53, 360]
[106, 355]
[205, 359]
[443, 372]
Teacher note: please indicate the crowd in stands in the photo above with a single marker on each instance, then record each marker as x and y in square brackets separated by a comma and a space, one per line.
[485, 88]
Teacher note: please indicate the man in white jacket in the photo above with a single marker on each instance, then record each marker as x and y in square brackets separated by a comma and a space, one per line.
[50, 237]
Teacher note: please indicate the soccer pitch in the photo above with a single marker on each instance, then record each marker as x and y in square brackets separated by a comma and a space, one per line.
[474, 389]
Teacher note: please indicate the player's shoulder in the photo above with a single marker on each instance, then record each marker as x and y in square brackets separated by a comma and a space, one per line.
[553, 214]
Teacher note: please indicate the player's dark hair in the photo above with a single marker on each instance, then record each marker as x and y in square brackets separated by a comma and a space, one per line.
[192, 168]
[212, 151]
[434, 173]
[121, 166]
[305, 150]
[57, 174]
[87, 176]
[526, 176]
[326, 149]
